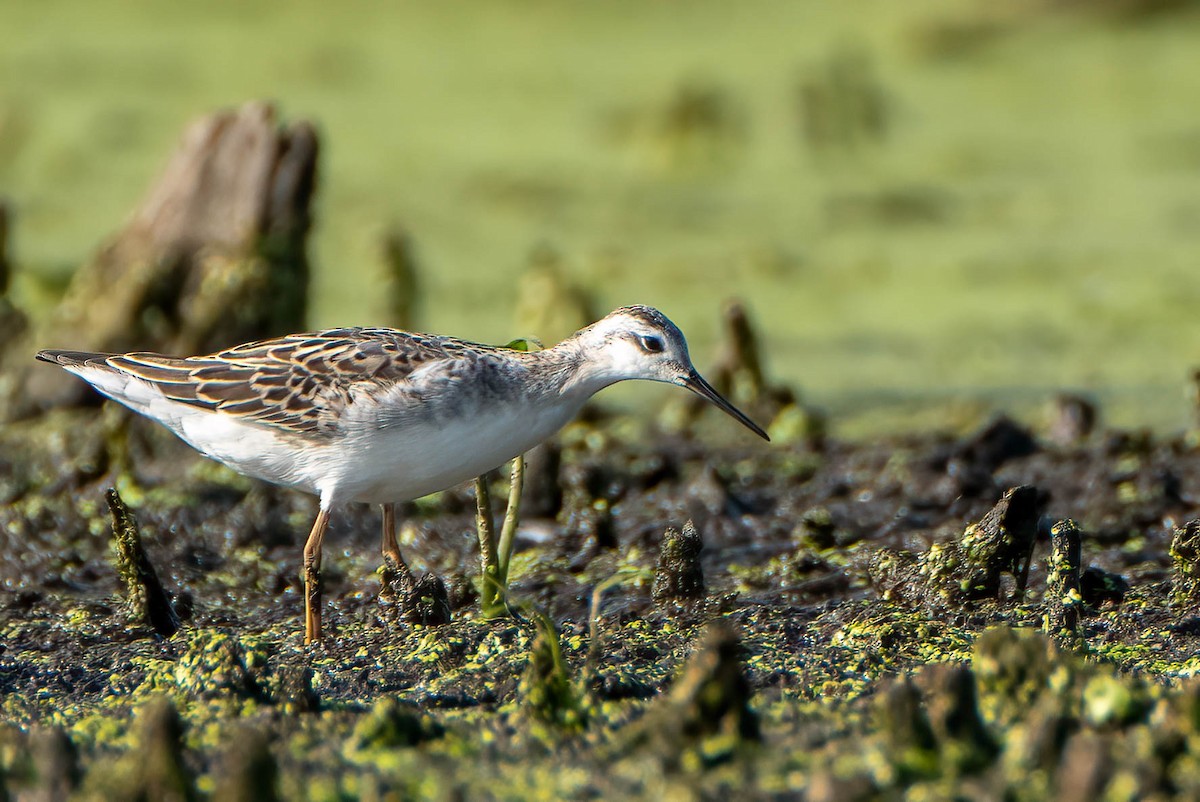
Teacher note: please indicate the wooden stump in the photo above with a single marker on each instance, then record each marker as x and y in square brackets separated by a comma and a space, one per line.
[214, 256]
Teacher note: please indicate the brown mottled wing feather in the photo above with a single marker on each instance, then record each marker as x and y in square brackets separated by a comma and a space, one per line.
[298, 382]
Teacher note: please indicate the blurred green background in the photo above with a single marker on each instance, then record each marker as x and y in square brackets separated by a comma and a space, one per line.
[930, 208]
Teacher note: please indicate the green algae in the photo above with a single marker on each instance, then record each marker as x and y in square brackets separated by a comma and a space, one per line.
[381, 739]
[390, 725]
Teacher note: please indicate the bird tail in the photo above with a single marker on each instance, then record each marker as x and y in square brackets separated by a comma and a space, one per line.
[72, 359]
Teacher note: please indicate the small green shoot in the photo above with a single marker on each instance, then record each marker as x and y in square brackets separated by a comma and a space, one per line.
[526, 344]
[548, 696]
[496, 556]
[622, 576]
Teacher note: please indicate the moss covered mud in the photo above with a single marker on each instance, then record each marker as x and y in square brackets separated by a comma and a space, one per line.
[855, 625]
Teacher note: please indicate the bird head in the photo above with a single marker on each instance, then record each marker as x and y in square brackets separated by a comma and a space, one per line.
[640, 342]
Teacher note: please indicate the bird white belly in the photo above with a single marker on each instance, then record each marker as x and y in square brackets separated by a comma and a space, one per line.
[403, 463]
[256, 450]
[376, 465]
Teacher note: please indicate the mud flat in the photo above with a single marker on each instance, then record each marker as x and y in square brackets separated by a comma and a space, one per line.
[829, 619]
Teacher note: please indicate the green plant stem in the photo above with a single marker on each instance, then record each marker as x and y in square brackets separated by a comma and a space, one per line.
[485, 526]
[495, 560]
[595, 649]
[512, 516]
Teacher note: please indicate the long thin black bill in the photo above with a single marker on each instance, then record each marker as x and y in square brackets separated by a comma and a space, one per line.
[696, 383]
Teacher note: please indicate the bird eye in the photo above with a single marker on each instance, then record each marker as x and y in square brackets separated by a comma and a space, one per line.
[653, 345]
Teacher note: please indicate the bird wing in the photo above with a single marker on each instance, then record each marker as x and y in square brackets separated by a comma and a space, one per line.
[299, 383]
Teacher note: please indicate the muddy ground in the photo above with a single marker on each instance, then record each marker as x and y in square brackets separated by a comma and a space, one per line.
[854, 626]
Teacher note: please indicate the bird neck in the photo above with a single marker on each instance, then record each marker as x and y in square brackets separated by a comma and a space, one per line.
[575, 373]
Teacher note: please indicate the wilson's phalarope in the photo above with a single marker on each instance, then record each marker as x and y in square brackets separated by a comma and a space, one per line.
[381, 416]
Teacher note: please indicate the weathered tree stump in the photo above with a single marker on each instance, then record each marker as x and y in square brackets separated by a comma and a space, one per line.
[1063, 599]
[214, 256]
[679, 575]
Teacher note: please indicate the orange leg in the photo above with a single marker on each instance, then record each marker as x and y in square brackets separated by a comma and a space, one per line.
[392, 558]
[390, 547]
[312, 578]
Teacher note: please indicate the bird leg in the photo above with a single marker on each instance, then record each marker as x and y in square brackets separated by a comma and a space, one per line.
[312, 578]
[397, 578]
